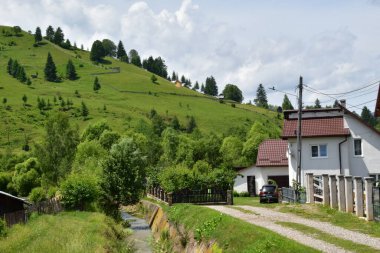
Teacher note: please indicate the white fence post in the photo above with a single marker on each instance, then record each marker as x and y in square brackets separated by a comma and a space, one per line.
[333, 195]
[348, 191]
[341, 195]
[310, 188]
[358, 196]
[368, 184]
[326, 192]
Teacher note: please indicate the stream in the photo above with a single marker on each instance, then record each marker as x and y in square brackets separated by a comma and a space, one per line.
[141, 233]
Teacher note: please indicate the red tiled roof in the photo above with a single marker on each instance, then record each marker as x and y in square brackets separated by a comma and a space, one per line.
[316, 127]
[272, 153]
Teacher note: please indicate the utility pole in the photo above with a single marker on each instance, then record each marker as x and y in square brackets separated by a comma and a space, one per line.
[299, 126]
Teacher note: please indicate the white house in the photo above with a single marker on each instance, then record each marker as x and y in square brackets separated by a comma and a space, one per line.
[271, 163]
[334, 141]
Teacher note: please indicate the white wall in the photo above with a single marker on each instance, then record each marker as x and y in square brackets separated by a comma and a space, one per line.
[261, 176]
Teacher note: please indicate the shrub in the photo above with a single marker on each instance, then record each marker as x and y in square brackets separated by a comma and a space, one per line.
[52, 192]
[79, 191]
[108, 138]
[3, 228]
[37, 194]
[94, 131]
[5, 179]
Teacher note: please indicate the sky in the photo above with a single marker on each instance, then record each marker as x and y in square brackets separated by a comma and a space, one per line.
[334, 45]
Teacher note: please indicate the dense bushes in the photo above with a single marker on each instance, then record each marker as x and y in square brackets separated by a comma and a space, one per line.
[3, 228]
[38, 194]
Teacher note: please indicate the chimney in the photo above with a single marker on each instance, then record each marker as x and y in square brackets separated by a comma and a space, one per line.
[342, 102]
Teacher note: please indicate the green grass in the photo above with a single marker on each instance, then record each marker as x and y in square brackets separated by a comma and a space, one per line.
[345, 244]
[231, 234]
[318, 212]
[65, 232]
[128, 95]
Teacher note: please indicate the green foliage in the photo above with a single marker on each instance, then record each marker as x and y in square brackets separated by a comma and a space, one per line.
[175, 123]
[121, 54]
[79, 191]
[368, 117]
[204, 231]
[27, 175]
[191, 125]
[231, 150]
[38, 35]
[56, 152]
[58, 37]
[176, 178]
[50, 69]
[286, 104]
[170, 142]
[134, 58]
[124, 176]
[232, 92]
[50, 33]
[89, 156]
[108, 138]
[251, 147]
[156, 66]
[211, 88]
[5, 179]
[317, 104]
[97, 51]
[96, 85]
[71, 73]
[37, 194]
[153, 79]
[109, 47]
[84, 110]
[261, 97]
[95, 130]
[3, 228]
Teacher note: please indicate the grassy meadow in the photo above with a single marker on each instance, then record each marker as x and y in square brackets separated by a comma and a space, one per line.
[128, 95]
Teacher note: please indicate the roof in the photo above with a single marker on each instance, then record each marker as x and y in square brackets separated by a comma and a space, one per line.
[377, 108]
[315, 127]
[14, 197]
[272, 153]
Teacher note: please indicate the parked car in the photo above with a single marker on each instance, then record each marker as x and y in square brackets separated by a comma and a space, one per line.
[269, 193]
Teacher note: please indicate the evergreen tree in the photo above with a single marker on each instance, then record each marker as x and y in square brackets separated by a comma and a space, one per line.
[286, 104]
[96, 86]
[175, 123]
[58, 36]
[183, 79]
[15, 68]
[191, 125]
[196, 86]
[210, 87]
[21, 75]
[38, 35]
[202, 88]
[66, 44]
[24, 99]
[336, 104]
[97, 51]
[174, 77]
[153, 79]
[85, 111]
[10, 66]
[368, 117]
[5, 100]
[134, 58]
[50, 33]
[50, 69]
[71, 74]
[261, 97]
[232, 92]
[121, 54]
[317, 104]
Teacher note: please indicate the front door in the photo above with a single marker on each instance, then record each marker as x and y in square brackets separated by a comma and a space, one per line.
[251, 185]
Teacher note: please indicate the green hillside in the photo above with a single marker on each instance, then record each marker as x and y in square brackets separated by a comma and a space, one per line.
[128, 95]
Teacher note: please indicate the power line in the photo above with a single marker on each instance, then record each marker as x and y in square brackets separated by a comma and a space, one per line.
[274, 89]
[366, 102]
[351, 91]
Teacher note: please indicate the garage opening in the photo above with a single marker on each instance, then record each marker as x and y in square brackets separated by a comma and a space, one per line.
[282, 181]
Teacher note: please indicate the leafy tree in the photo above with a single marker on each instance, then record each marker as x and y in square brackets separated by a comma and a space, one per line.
[121, 54]
[317, 104]
[232, 92]
[71, 73]
[231, 150]
[210, 88]
[97, 51]
[50, 69]
[123, 177]
[251, 147]
[84, 110]
[286, 104]
[368, 117]
[27, 175]
[50, 33]
[108, 138]
[17, 30]
[94, 131]
[196, 86]
[96, 85]
[37, 194]
[170, 142]
[58, 36]
[109, 47]
[261, 97]
[153, 79]
[56, 152]
[134, 58]
[38, 35]
[191, 125]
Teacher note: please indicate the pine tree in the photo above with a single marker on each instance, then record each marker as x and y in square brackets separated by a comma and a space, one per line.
[71, 73]
[85, 111]
[175, 123]
[286, 104]
[210, 87]
[24, 99]
[196, 86]
[10, 66]
[121, 54]
[202, 88]
[368, 117]
[317, 104]
[336, 104]
[38, 35]
[21, 75]
[153, 79]
[58, 36]
[50, 33]
[96, 86]
[191, 125]
[261, 97]
[15, 68]
[50, 69]
[5, 100]
[174, 77]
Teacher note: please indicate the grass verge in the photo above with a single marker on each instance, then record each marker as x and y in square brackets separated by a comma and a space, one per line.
[66, 232]
[345, 244]
[231, 234]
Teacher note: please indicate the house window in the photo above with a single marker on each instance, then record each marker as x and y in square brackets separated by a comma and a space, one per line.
[358, 147]
[319, 150]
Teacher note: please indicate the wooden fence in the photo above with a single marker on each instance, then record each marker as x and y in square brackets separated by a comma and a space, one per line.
[50, 206]
[205, 196]
[15, 217]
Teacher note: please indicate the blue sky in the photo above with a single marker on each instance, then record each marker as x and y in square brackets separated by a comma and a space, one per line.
[334, 45]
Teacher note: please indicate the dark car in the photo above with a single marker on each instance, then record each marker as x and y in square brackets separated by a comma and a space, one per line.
[269, 193]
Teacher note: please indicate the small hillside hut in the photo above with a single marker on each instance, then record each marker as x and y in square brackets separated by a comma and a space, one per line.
[12, 209]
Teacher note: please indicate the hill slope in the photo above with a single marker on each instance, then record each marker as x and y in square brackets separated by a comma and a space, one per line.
[128, 95]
